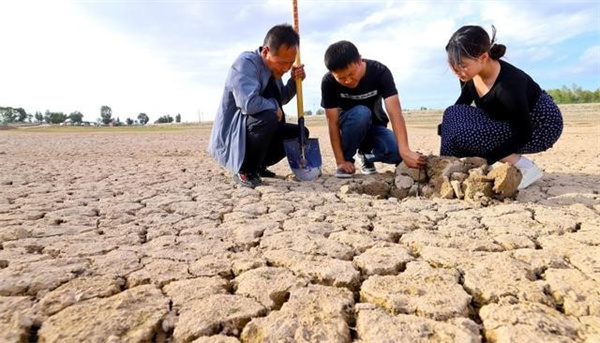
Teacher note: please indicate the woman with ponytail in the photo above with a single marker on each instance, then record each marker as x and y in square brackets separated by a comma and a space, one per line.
[512, 115]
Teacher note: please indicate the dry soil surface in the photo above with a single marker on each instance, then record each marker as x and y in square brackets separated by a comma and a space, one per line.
[137, 235]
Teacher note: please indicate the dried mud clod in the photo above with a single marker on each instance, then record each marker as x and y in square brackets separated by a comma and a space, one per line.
[447, 177]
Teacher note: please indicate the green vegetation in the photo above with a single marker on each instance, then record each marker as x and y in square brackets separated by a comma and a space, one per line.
[164, 119]
[55, 117]
[574, 95]
[114, 129]
[143, 118]
[76, 117]
[11, 115]
[105, 114]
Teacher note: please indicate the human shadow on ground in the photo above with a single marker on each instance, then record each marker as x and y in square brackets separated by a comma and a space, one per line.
[564, 189]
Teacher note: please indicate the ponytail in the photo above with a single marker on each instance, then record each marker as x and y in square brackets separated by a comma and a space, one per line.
[497, 51]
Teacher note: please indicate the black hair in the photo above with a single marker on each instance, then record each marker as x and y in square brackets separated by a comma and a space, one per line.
[283, 34]
[340, 55]
[471, 41]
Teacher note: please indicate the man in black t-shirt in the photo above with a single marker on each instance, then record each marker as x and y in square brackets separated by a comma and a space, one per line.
[351, 94]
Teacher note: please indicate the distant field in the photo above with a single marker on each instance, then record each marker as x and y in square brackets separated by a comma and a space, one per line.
[574, 115]
[581, 114]
[116, 129]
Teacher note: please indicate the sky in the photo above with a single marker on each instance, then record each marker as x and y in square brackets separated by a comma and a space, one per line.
[172, 57]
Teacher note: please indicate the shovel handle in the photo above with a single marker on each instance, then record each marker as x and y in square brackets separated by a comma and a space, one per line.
[299, 100]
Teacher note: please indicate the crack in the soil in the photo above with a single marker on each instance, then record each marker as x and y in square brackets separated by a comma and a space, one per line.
[474, 307]
[33, 333]
[536, 243]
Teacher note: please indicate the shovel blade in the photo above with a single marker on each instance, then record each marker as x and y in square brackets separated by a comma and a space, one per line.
[307, 167]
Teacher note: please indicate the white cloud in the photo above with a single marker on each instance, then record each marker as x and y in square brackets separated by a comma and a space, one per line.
[528, 25]
[413, 48]
[64, 60]
[589, 62]
[172, 57]
[537, 54]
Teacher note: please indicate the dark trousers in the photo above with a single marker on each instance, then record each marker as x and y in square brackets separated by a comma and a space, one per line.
[264, 140]
[469, 131]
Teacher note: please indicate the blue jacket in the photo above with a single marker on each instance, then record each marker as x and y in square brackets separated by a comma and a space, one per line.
[246, 81]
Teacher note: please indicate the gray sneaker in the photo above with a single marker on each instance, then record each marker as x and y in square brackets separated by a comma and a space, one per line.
[249, 180]
[342, 174]
[366, 167]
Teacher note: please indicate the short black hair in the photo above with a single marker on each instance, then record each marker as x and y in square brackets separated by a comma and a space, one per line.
[283, 34]
[340, 55]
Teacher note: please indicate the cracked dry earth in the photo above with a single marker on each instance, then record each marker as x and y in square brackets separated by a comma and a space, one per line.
[112, 236]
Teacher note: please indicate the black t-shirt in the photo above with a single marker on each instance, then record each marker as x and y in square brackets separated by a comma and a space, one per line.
[512, 98]
[376, 84]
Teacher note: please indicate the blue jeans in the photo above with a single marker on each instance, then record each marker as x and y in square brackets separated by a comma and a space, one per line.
[376, 142]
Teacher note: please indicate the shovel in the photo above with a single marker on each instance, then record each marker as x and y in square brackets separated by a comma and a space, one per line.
[303, 154]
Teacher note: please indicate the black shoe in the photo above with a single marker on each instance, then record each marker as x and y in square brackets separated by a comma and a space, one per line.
[264, 172]
[249, 180]
[366, 167]
[257, 179]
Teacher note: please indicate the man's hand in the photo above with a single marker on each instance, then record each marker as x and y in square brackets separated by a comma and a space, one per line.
[347, 166]
[279, 114]
[413, 159]
[298, 72]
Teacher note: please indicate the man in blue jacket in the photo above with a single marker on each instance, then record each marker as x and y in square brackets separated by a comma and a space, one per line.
[249, 128]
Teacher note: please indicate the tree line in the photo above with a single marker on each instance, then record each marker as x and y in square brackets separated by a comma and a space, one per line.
[10, 115]
[574, 95]
[564, 95]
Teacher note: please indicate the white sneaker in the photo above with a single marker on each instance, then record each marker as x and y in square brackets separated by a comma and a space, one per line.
[366, 167]
[530, 175]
